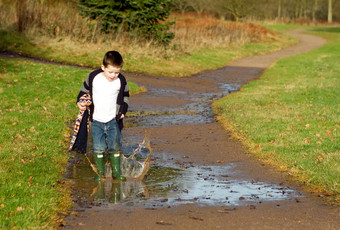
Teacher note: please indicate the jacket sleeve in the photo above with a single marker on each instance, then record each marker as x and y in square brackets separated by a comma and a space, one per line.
[126, 97]
[85, 89]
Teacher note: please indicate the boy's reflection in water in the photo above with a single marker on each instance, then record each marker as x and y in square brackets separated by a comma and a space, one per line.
[114, 192]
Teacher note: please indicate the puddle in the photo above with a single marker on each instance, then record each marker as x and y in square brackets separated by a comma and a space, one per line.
[229, 88]
[170, 183]
[214, 186]
[196, 112]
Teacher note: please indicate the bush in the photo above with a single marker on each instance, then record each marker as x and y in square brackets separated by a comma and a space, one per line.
[140, 18]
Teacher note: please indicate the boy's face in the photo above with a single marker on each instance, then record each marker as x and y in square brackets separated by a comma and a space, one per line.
[111, 72]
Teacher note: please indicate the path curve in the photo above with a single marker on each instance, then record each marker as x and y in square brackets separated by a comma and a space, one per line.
[205, 142]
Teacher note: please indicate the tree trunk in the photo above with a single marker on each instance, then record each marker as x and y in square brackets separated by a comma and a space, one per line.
[330, 16]
[315, 7]
[279, 10]
[21, 15]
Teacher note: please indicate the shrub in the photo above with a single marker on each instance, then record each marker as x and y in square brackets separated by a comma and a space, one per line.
[141, 18]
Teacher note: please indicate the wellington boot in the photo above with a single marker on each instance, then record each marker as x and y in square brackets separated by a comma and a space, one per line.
[100, 161]
[115, 164]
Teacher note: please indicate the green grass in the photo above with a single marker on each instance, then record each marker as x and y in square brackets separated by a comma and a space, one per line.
[290, 116]
[186, 65]
[34, 112]
[37, 103]
[178, 66]
[285, 27]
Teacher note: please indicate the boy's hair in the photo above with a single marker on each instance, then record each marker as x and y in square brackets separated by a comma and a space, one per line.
[113, 58]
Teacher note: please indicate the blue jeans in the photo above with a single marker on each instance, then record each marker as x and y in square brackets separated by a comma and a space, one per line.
[106, 136]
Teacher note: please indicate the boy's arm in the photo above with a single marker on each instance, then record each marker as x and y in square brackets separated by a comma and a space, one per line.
[126, 101]
[85, 89]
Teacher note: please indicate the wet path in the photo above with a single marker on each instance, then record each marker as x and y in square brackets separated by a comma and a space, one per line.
[200, 179]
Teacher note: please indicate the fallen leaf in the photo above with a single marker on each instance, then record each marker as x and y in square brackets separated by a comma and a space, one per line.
[252, 207]
[19, 136]
[222, 211]
[320, 158]
[19, 208]
[196, 218]
[163, 223]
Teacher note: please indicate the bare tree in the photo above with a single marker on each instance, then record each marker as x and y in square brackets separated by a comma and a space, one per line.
[198, 5]
[239, 8]
[180, 5]
[279, 9]
[22, 15]
[315, 7]
[330, 12]
[218, 8]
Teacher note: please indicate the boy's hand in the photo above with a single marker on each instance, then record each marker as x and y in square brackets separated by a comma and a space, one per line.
[122, 116]
[81, 106]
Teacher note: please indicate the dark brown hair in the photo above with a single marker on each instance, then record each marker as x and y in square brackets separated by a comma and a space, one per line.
[113, 58]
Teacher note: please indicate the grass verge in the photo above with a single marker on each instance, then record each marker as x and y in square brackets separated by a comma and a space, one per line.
[68, 51]
[37, 101]
[290, 116]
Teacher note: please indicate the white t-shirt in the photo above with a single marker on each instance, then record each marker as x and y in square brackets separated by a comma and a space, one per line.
[104, 95]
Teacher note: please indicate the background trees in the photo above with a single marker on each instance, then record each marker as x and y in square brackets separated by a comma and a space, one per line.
[148, 20]
[287, 10]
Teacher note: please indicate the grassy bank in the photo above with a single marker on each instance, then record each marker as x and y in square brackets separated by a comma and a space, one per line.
[290, 116]
[57, 31]
[37, 102]
[86, 54]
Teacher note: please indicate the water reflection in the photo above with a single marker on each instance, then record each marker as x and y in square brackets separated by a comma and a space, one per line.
[113, 192]
[169, 183]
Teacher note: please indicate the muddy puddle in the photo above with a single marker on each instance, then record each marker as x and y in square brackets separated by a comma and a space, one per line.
[196, 111]
[170, 182]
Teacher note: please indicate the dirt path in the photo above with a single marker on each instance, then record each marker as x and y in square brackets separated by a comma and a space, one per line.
[185, 133]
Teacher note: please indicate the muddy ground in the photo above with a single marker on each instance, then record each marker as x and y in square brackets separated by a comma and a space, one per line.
[184, 135]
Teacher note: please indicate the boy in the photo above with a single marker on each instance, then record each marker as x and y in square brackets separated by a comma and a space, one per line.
[109, 92]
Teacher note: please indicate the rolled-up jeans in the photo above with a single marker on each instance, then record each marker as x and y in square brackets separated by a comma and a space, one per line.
[106, 137]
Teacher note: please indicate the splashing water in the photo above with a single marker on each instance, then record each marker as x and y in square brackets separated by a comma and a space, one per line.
[135, 165]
